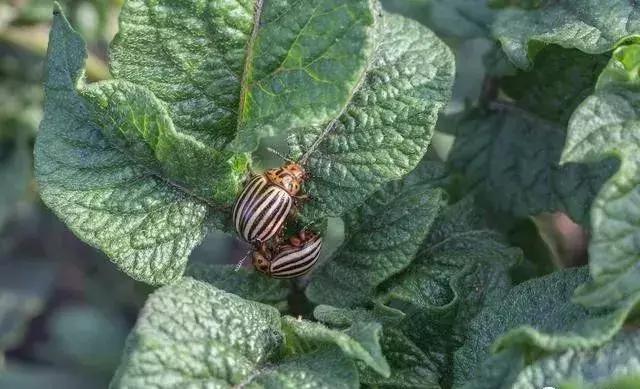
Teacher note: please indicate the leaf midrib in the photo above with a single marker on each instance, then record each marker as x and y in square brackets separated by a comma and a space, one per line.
[248, 63]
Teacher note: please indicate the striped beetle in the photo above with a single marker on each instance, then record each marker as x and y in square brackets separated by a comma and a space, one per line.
[264, 204]
[266, 201]
[289, 260]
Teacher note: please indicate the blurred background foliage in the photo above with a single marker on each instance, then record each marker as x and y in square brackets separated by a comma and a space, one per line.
[65, 310]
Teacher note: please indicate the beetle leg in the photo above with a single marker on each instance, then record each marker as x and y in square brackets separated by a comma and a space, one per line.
[249, 175]
[303, 198]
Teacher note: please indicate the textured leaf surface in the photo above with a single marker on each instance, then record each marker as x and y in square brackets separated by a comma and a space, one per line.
[623, 69]
[192, 334]
[323, 369]
[512, 159]
[360, 341]
[189, 332]
[247, 284]
[611, 366]
[308, 58]
[537, 315]
[620, 357]
[135, 122]
[388, 125]
[465, 19]
[219, 72]
[608, 124]
[382, 238]
[411, 367]
[591, 26]
[557, 84]
[461, 267]
[145, 225]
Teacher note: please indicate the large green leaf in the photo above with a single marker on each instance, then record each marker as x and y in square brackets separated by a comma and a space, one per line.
[461, 266]
[248, 284]
[410, 366]
[592, 26]
[608, 124]
[511, 158]
[614, 365]
[623, 69]
[322, 369]
[248, 68]
[388, 125]
[143, 222]
[382, 238]
[360, 341]
[557, 84]
[465, 19]
[135, 122]
[537, 315]
[192, 334]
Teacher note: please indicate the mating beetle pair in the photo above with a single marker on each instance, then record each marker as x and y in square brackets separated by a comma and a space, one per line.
[259, 215]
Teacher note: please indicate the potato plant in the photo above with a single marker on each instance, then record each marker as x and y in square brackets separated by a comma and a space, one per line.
[435, 284]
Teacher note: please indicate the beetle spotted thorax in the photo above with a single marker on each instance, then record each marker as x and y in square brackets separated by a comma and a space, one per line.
[289, 177]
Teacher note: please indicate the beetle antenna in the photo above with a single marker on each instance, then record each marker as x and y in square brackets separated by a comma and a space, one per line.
[317, 142]
[240, 262]
[276, 152]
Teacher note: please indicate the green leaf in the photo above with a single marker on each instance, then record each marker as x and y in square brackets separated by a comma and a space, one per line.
[322, 369]
[190, 333]
[245, 69]
[607, 124]
[537, 315]
[360, 341]
[386, 128]
[466, 19]
[617, 358]
[461, 267]
[523, 4]
[624, 382]
[613, 365]
[623, 69]
[136, 123]
[411, 367]
[382, 238]
[557, 84]
[512, 158]
[144, 223]
[247, 284]
[591, 26]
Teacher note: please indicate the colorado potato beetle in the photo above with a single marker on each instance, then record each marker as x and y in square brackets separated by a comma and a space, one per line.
[289, 260]
[264, 204]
